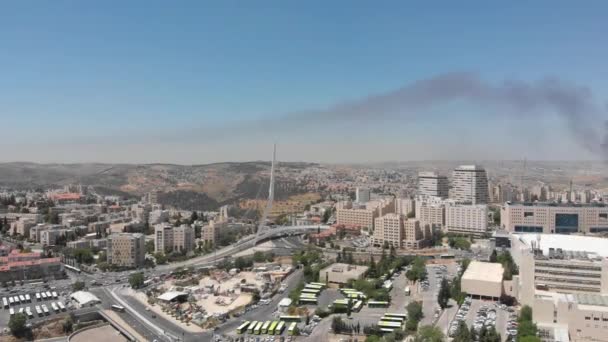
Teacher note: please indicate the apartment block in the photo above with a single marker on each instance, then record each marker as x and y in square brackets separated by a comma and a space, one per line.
[388, 229]
[467, 219]
[169, 239]
[416, 234]
[211, 232]
[126, 249]
[363, 215]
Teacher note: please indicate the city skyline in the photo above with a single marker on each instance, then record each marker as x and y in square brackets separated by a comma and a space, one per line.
[335, 83]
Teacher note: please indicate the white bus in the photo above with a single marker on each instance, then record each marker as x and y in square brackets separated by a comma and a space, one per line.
[38, 310]
[37, 296]
[11, 311]
[55, 307]
[54, 294]
[61, 306]
[43, 295]
[28, 298]
[21, 310]
[29, 312]
[45, 309]
[22, 298]
[4, 302]
[407, 291]
[11, 300]
[16, 299]
[118, 308]
[48, 294]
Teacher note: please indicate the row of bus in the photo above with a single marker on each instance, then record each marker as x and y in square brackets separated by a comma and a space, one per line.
[268, 327]
[310, 293]
[20, 299]
[391, 321]
[41, 310]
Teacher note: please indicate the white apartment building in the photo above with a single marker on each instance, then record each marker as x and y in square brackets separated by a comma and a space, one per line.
[467, 219]
[554, 218]
[433, 184]
[210, 233]
[169, 239]
[469, 185]
[127, 249]
[431, 214]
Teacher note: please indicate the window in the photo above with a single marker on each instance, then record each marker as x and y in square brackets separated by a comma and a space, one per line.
[528, 213]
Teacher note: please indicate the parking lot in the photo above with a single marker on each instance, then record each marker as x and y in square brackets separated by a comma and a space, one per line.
[477, 313]
[430, 288]
[35, 305]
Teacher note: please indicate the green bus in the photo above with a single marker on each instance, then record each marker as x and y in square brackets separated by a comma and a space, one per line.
[313, 287]
[323, 285]
[242, 328]
[386, 330]
[272, 327]
[258, 328]
[311, 291]
[398, 315]
[279, 328]
[265, 327]
[358, 305]
[377, 304]
[292, 329]
[392, 319]
[252, 326]
[390, 325]
[306, 300]
[286, 318]
[341, 303]
[308, 295]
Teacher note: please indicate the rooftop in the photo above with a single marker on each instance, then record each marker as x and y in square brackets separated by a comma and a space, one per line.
[84, 298]
[171, 295]
[485, 271]
[588, 245]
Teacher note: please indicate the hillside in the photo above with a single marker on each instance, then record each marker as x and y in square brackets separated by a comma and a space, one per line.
[188, 187]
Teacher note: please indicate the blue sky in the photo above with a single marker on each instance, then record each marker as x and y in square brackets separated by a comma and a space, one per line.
[146, 81]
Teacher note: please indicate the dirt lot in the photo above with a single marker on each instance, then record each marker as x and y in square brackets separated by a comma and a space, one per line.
[229, 294]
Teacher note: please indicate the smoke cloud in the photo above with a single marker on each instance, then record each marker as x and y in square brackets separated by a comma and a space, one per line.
[574, 104]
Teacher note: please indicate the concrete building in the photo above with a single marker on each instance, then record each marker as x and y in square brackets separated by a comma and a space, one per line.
[23, 226]
[467, 219]
[126, 249]
[416, 234]
[558, 263]
[388, 229]
[49, 237]
[362, 195]
[550, 218]
[23, 266]
[432, 184]
[169, 239]
[469, 185]
[584, 317]
[341, 273]
[431, 214]
[405, 206]
[483, 280]
[211, 233]
[354, 214]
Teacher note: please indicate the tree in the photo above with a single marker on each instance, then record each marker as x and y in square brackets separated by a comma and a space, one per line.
[17, 324]
[136, 280]
[417, 271]
[78, 285]
[150, 247]
[414, 315]
[429, 333]
[443, 296]
[462, 333]
[490, 335]
[83, 255]
[193, 217]
[259, 256]
[67, 324]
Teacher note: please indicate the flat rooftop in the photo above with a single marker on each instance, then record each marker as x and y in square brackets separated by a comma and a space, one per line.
[484, 271]
[571, 243]
[557, 204]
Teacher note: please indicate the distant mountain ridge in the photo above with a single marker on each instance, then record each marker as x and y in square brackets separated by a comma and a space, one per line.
[209, 185]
